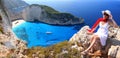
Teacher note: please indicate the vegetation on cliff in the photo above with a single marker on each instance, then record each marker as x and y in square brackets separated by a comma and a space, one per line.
[60, 50]
[54, 13]
[49, 15]
[49, 9]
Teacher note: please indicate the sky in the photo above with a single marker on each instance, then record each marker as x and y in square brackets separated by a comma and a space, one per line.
[48, 2]
[85, 6]
[71, 0]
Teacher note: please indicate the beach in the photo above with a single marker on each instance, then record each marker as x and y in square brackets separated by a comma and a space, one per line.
[17, 22]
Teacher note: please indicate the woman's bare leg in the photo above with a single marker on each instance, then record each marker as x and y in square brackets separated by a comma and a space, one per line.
[95, 38]
[92, 49]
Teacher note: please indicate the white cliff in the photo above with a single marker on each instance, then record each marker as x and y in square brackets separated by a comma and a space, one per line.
[46, 14]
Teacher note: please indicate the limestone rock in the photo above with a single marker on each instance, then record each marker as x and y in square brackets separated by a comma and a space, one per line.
[113, 51]
[14, 8]
[48, 15]
[118, 53]
[9, 41]
[81, 39]
[10, 10]
[114, 35]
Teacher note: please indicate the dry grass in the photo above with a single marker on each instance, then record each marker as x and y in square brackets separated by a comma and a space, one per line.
[60, 50]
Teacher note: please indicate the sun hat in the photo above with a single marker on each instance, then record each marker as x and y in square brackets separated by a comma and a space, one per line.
[107, 12]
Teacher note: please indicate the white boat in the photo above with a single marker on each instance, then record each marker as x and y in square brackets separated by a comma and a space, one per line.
[48, 32]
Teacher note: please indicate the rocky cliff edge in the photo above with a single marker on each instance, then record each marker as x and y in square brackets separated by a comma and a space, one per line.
[112, 48]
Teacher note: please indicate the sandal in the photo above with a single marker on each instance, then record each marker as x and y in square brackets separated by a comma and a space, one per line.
[84, 52]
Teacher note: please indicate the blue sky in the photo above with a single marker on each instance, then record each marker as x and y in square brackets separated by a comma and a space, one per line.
[65, 1]
[82, 9]
[71, 0]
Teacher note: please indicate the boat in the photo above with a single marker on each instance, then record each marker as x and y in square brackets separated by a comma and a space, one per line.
[48, 32]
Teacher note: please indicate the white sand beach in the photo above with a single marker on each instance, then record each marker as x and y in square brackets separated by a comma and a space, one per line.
[17, 22]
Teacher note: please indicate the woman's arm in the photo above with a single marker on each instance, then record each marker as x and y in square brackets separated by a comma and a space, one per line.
[90, 31]
[113, 23]
[95, 25]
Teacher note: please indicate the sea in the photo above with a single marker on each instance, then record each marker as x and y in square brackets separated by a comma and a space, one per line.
[44, 35]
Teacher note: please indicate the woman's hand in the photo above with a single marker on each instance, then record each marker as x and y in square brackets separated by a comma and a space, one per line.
[89, 33]
[113, 23]
[110, 17]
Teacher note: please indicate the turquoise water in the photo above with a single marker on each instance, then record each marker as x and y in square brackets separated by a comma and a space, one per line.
[40, 34]
[35, 33]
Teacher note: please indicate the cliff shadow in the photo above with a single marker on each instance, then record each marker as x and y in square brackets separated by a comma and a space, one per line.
[115, 42]
[1, 28]
[0, 19]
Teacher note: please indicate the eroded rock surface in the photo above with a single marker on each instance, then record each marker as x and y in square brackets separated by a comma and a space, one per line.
[81, 40]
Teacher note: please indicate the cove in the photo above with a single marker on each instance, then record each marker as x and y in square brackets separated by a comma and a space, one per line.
[41, 34]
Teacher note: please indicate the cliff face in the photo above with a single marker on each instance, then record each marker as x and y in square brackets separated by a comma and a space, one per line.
[9, 43]
[49, 15]
[10, 10]
[13, 8]
[81, 41]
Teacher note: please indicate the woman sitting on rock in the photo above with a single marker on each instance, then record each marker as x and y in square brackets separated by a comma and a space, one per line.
[101, 35]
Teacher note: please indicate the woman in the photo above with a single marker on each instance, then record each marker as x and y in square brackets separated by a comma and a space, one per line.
[101, 35]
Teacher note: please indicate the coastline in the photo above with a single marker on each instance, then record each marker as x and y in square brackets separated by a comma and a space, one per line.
[17, 22]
